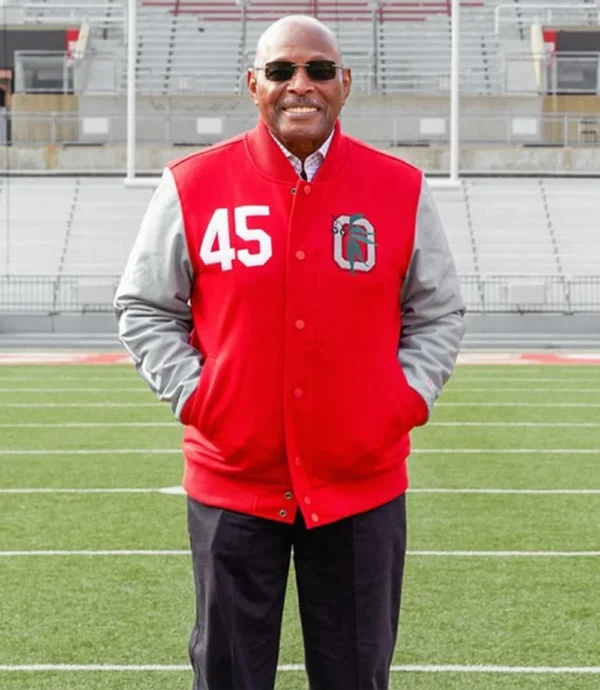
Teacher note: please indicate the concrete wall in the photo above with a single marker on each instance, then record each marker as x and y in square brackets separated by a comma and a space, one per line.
[489, 331]
[434, 159]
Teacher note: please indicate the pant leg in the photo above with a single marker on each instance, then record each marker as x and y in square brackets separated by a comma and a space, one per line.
[240, 565]
[349, 580]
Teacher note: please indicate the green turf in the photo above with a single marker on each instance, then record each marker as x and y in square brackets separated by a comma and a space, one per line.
[291, 681]
[138, 610]
[156, 521]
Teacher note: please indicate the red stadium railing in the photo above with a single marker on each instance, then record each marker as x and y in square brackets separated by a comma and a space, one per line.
[385, 10]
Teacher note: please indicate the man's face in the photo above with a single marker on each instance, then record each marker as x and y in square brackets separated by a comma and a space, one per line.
[300, 112]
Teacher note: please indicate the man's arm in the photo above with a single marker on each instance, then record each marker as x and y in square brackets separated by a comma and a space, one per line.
[151, 302]
[432, 310]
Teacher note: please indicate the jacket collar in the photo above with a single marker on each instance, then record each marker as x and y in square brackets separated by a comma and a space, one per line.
[271, 160]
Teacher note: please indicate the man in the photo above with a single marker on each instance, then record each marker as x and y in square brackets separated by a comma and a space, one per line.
[292, 294]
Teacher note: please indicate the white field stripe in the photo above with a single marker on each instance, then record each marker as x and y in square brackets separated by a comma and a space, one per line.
[457, 388]
[184, 552]
[157, 404]
[286, 668]
[452, 388]
[519, 424]
[525, 492]
[92, 451]
[508, 451]
[514, 404]
[80, 491]
[421, 451]
[89, 425]
[82, 404]
[83, 390]
[529, 492]
[460, 378]
[133, 425]
[133, 378]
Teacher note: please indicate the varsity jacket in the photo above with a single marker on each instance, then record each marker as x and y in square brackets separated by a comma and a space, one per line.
[299, 330]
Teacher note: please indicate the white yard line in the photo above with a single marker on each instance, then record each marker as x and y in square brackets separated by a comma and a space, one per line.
[179, 490]
[80, 389]
[452, 388]
[419, 451]
[426, 553]
[458, 388]
[88, 425]
[514, 404]
[79, 379]
[525, 492]
[519, 424]
[404, 668]
[495, 377]
[79, 491]
[92, 451]
[508, 451]
[133, 425]
[30, 405]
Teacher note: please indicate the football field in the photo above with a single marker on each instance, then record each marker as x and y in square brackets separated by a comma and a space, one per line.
[502, 582]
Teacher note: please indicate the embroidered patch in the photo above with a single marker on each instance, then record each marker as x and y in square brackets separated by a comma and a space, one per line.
[353, 242]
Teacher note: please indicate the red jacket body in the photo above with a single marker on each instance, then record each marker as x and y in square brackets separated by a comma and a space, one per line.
[301, 401]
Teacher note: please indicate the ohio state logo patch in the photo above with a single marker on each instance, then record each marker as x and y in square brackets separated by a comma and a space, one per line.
[353, 242]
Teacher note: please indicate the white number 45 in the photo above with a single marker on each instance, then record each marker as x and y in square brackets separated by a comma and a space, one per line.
[216, 246]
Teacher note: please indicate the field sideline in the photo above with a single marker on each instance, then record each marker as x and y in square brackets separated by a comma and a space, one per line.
[502, 585]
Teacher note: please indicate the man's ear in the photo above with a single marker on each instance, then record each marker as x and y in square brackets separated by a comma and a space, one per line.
[346, 83]
[251, 81]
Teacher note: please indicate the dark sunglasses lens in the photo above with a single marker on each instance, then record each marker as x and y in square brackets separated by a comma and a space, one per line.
[279, 71]
[321, 70]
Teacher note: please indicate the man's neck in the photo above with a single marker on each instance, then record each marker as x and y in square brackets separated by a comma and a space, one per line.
[303, 150]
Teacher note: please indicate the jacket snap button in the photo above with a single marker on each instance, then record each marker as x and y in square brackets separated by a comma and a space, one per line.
[314, 517]
[307, 500]
[300, 324]
[300, 255]
[307, 189]
[298, 393]
[283, 513]
[288, 495]
[293, 190]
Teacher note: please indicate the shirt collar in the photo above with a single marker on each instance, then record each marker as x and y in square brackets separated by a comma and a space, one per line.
[318, 155]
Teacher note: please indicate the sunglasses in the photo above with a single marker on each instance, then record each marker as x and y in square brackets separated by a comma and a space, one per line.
[284, 70]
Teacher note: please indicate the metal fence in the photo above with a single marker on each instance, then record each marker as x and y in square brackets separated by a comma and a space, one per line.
[176, 128]
[53, 295]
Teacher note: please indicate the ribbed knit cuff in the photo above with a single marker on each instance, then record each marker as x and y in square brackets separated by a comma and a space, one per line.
[186, 410]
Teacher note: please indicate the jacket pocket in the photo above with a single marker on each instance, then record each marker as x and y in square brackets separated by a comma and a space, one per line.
[197, 404]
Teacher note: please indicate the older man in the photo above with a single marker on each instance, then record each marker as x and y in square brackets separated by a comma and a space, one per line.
[292, 294]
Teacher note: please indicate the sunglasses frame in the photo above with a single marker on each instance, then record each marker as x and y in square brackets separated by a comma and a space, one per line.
[295, 65]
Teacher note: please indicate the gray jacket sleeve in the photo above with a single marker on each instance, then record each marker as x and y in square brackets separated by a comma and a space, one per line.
[152, 301]
[432, 306]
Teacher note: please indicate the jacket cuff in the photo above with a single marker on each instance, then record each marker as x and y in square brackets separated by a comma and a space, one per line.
[186, 410]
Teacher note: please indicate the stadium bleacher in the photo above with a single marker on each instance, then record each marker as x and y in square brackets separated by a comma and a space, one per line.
[392, 47]
[495, 227]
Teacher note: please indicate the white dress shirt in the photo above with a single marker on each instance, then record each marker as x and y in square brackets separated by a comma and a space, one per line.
[312, 163]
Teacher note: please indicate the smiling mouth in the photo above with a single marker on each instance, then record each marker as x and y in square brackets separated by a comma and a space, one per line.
[301, 110]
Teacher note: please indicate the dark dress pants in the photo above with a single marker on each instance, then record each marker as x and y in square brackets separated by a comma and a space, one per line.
[348, 577]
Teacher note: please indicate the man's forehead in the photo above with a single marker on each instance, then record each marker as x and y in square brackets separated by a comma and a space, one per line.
[294, 39]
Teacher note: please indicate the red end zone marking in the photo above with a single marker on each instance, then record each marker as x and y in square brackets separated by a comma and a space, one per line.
[64, 358]
[469, 358]
[523, 358]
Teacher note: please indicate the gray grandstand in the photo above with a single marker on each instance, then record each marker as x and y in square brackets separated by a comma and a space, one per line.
[524, 246]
